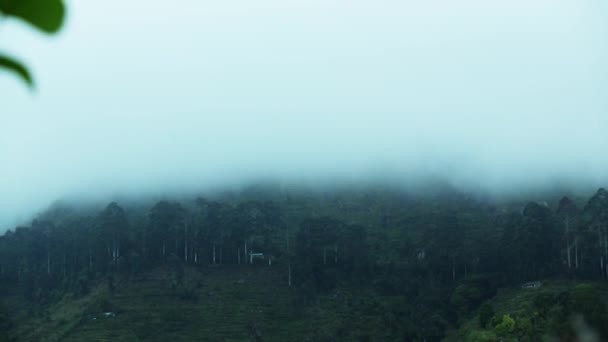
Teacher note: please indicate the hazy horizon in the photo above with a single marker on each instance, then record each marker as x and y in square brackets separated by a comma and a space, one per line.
[189, 96]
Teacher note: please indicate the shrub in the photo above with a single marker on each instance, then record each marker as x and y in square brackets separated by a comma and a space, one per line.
[588, 302]
[486, 312]
[506, 326]
[481, 336]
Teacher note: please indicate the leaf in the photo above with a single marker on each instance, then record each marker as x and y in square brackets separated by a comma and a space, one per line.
[46, 15]
[17, 68]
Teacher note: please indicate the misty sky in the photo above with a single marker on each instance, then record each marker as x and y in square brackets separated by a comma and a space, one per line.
[138, 97]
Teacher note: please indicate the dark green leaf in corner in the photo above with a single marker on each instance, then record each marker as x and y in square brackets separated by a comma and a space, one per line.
[46, 15]
[17, 68]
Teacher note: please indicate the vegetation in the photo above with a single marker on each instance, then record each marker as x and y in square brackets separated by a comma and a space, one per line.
[45, 15]
[271, 265]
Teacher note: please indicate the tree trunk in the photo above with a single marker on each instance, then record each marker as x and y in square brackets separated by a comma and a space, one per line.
[185, 241]
[48, 261]
[576, 252]
[288, 255]
[569, 258]
[64, 265]
[114, 249]
[606, 244]
[568, 241]
[453, 268]
[335, 254]
[601, 240]
[606, 251]
[143, 244]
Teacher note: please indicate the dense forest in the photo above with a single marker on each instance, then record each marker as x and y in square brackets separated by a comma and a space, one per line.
[403, 266]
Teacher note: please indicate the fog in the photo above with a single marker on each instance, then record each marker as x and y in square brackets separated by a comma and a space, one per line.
[144, 98]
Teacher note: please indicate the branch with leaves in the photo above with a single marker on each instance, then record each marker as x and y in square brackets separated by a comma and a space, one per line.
[45, 15]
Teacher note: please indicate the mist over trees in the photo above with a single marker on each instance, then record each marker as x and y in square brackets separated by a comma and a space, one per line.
[362, 94]
[443, 256]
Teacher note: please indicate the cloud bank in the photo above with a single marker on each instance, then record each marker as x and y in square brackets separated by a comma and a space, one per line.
[149, 97]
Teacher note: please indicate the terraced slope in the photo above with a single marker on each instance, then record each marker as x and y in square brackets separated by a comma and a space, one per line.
[227, 303]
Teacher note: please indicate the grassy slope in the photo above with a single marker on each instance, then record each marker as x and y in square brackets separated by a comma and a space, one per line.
[232, 304]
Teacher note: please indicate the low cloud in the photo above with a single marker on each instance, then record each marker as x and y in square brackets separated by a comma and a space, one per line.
[498, 97]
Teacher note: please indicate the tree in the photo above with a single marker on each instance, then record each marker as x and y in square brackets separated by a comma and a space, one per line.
[248, 217]
[530, 243]
[506, 326]
[465, 297]
[45, 15]
[317, 252]
[214, 230]
[113, 228]
[443, 240]
[166, 219]
[567, 212]
[263, 222]
[595, 233]
[317, 241]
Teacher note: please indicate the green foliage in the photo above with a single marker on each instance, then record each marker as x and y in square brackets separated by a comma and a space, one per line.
[16, 67]
[588, 302]
[350, 271]
[465, 297]
[5, 324]
[506, 326]
[486, 312]
[543, 302]
[45, 15]
[529, 328]
[482, 336]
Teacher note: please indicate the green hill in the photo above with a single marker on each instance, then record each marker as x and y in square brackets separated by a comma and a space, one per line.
[344, 266]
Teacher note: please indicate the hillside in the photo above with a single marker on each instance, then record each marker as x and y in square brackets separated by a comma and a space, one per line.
[358, 265]
[224, 304]
[252, 304]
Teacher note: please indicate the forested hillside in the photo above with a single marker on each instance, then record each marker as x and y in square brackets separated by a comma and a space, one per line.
[367, 265]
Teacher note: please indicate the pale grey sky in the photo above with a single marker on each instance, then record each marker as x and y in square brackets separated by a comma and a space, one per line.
[159, 96]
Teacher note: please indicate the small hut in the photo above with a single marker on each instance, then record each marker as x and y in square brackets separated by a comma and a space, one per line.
[532, 285]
